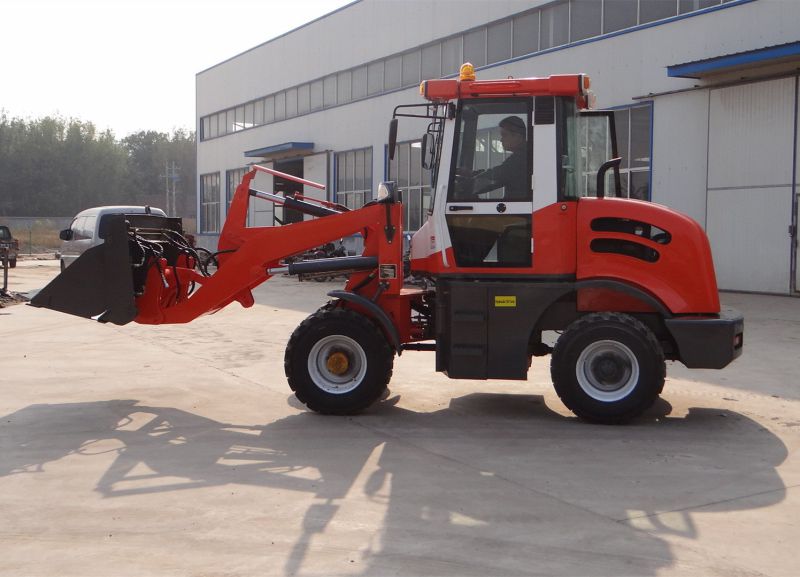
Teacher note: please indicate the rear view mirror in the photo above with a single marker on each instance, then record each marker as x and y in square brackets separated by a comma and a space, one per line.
[65, 234]
[392, 137]
[428, 145]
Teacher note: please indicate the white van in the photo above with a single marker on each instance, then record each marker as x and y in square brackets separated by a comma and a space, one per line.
[84, 232]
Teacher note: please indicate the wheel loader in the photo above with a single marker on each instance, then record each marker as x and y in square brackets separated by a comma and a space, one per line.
[527, 233]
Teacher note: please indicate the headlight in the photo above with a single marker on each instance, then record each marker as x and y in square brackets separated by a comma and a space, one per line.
[386, 192]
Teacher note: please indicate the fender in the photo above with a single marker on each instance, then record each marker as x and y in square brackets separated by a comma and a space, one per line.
[377, 314]
[628, 289]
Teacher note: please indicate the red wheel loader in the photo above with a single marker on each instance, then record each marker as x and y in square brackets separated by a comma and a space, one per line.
[522, 237]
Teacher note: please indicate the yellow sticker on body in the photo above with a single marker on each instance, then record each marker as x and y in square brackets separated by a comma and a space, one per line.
[505, 301]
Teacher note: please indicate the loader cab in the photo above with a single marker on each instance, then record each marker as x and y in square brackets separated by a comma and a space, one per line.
[489, 199]
[513, 157]
[511, 160]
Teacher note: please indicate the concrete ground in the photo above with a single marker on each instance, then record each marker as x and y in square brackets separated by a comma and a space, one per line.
[179, 450]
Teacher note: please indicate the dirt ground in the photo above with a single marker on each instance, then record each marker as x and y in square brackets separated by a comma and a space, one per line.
[180, 451]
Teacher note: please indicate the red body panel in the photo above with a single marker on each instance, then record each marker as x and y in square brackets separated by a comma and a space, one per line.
[555, 85]
[682, 278]
[553, 241]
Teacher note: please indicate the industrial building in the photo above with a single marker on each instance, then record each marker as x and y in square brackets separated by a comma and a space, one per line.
[705, 94]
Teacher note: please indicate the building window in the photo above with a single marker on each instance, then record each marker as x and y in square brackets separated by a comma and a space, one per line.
[209, 203]
[432, 61]
[375, 77]
[413, 181]
[269, 109]
[475, 47]
[317, 90]
[451, 56]
[585, 18]
[344, 86]
[354, 177]
[619, 14]
[498, 42]
[685, 6]
[393, 73]
[634, 127]
[280, 106]
[304, 99]
[411, 64]
[554, 30]
[525, 35]
[291, 102]
[232, 180]
[258, 119]
[359, 89]
[652, 10]
[329, 90]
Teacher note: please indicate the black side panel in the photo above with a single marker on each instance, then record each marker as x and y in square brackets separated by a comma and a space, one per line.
[99, 282]
[484, 328]
[461, 331]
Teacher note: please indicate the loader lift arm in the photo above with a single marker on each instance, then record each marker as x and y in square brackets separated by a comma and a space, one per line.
[171, 286]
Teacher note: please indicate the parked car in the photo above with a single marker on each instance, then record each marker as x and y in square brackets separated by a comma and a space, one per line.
[8, 245]
[84, 232]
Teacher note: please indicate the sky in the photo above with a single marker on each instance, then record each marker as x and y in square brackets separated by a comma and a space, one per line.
[129, 65]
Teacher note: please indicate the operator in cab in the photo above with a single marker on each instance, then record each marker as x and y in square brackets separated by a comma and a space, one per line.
[511, 174]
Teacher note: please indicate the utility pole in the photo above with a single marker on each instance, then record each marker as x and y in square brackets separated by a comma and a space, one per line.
[171, 178]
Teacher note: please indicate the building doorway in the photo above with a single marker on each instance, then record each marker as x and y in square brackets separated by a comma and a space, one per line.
[751, 176]
[288, 189]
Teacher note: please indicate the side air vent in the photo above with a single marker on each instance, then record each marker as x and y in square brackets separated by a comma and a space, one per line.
[625, 248]
[634, 227]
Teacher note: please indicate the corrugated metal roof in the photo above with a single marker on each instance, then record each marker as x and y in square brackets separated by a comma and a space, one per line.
[761, 56]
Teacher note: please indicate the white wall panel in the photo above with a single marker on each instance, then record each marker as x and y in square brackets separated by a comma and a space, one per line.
[751, 134]
[680, 146]
[748, 233]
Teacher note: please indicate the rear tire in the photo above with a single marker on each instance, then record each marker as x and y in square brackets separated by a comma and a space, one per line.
[12, 263]
[338, 362]
[608, 368]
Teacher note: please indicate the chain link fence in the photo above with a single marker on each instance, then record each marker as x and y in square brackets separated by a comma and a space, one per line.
[36, 235]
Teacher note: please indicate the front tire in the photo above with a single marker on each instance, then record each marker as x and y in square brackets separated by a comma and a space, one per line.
[608, 368]
[338, 362]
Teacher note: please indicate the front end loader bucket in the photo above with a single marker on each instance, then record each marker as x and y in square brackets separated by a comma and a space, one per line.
[102, 283]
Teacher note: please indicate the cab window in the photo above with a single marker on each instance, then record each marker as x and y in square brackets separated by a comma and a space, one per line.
[493, 152]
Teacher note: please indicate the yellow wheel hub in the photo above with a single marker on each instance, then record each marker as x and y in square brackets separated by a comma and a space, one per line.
[337, 363]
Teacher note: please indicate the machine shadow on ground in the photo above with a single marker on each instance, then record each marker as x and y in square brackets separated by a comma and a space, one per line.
[491, 473]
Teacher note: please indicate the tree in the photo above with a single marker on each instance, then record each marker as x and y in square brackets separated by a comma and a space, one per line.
[57, 167]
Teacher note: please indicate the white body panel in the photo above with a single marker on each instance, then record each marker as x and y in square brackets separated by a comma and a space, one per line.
[545, 176]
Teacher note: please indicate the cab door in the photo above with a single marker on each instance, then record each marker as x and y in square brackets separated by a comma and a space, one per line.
[489, 206]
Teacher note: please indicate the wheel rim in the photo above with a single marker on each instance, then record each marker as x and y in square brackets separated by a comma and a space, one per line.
[607, 371]
[337, 364]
